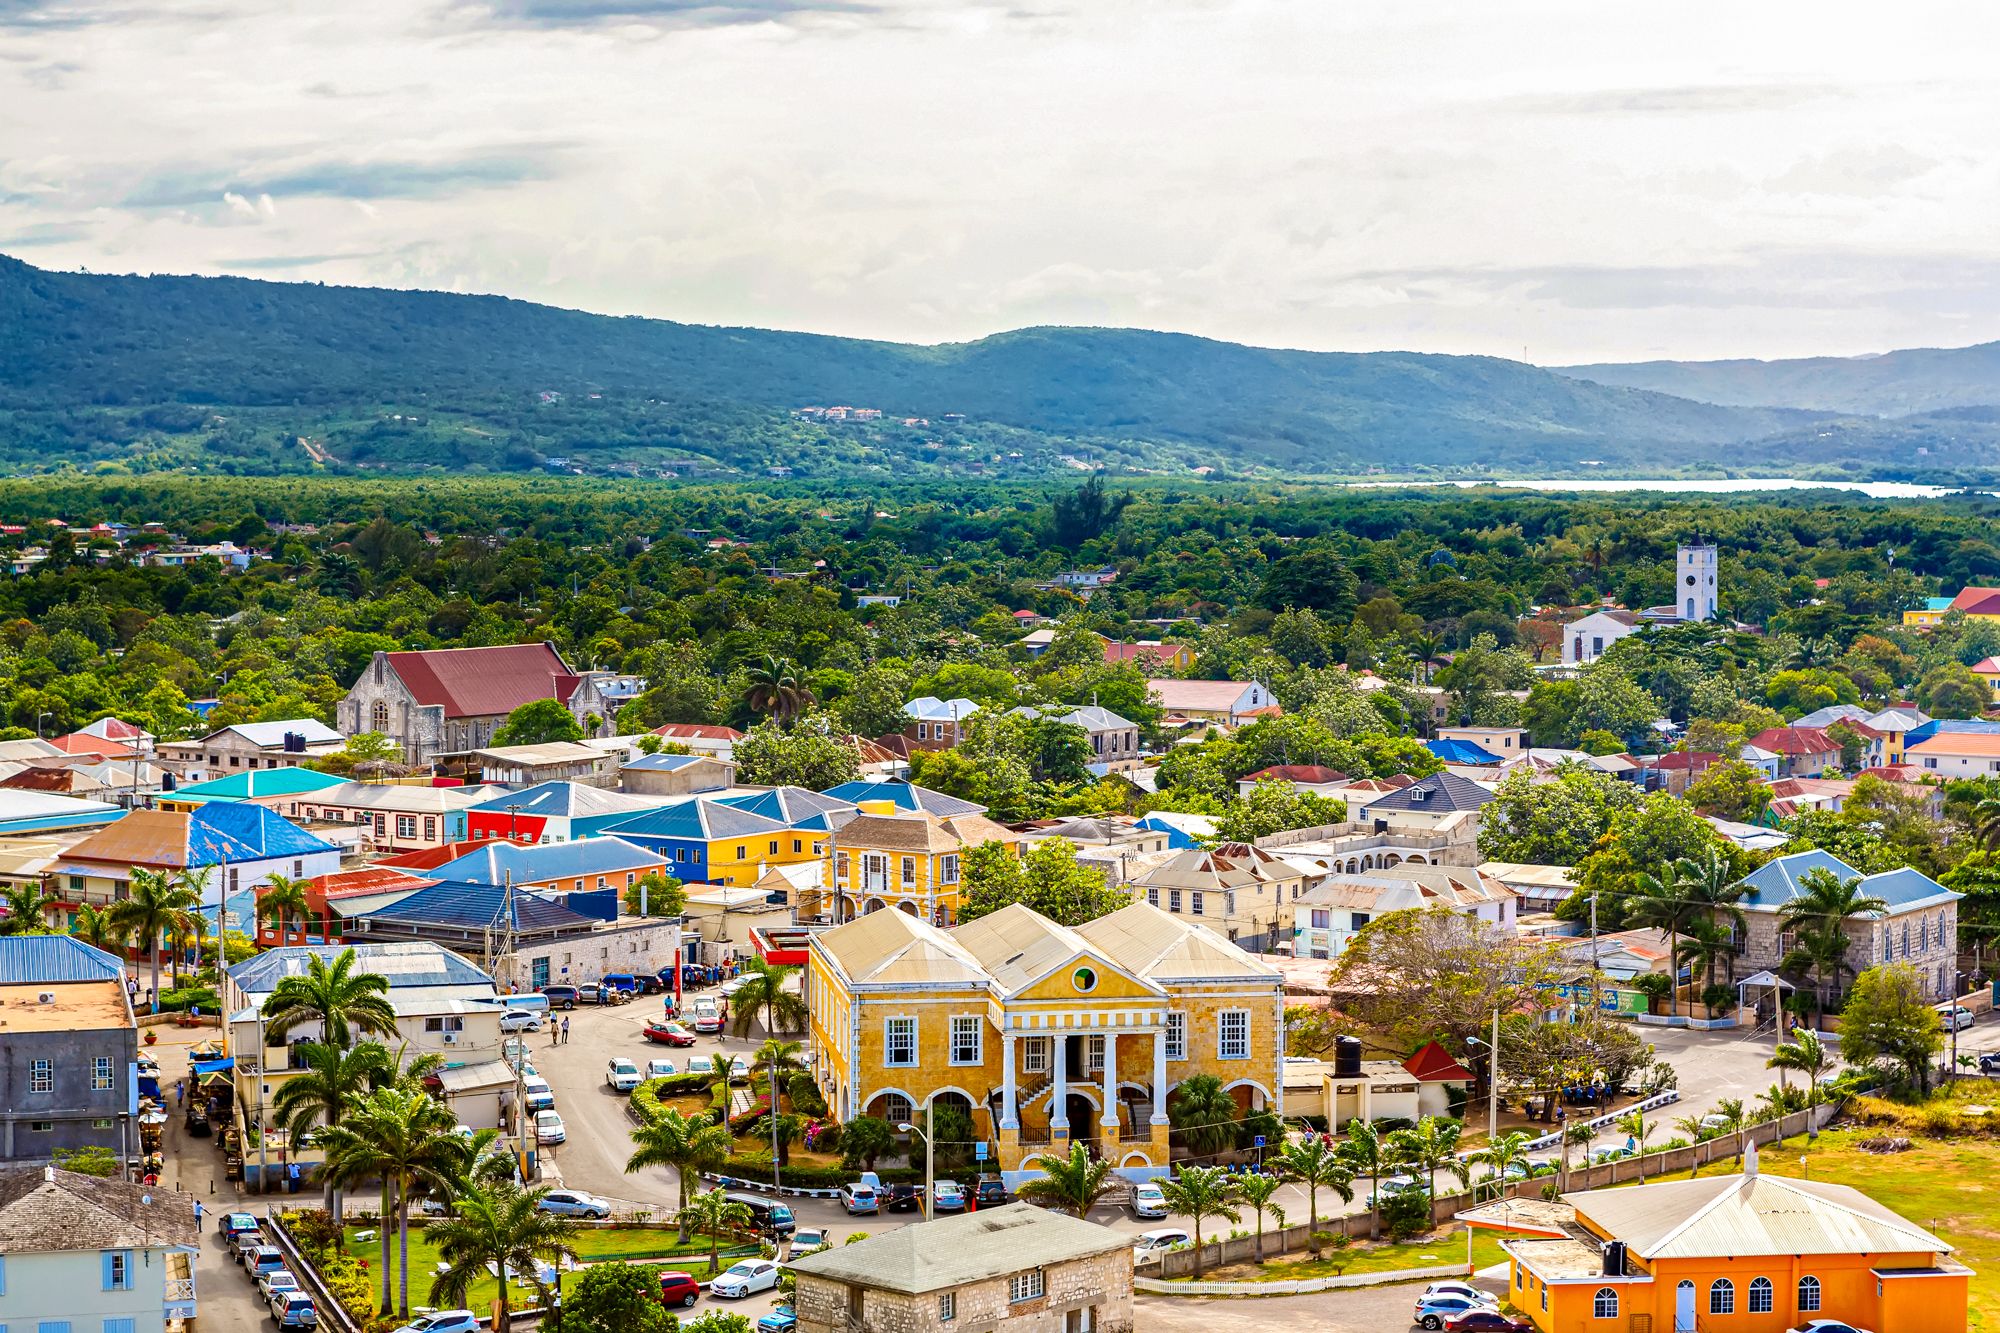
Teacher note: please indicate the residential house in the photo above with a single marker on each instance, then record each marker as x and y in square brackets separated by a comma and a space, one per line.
[1036, 642]
[936, 724]
[1084, 582]
[1676, 770]
[1535, 888]
[592, 865]
[128, 734]
[32, 812]
[1308, 779]
[1012, 1269]
[1768, 763]
[701, 738]
[247, 745]
[1803, 752]
[1505, 742]
[1112, 844]
[1584, 640]
[1458, 753]
[68, 1050]
[450, 701]
[1114, 741]
[1442, 801]
[903, 796]
[320, 922]
[393, 817]
[1932, 612]
[1751, 1251]
[284, 790]
[1243, 893]
[1972, 602]
[1150, 654]
[1043, 1034]
[1952, 749]
[86, 1253]
[1919, 927]
[911, 861]
[1331, 912]
[714, 841]
[676, 775]
[555, 812]
[555, 761]
[1234, 702]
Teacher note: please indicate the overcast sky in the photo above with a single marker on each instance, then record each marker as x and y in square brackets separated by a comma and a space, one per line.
[1566, 179]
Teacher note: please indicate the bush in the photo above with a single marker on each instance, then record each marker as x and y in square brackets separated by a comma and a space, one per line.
[1407, 1214]
[1718, 998]
[740, 1124]
[805, 1094]
[646, 1097]
[314, 1229]
[190, 997]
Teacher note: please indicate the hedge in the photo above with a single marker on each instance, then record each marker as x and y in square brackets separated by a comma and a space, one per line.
[646, 1097]
[743, 1167]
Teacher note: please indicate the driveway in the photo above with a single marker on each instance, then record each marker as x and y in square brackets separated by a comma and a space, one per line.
[1352, 1310]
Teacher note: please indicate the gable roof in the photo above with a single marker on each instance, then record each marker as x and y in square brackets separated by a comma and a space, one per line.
[571, 800]
[1751, 1215]
[1432, 1063]
[478, 682]
[115, 729]
[44, 1209]
[695, 819]
[904, 796]
[1777, 882]
[405, 963]
[929, 708]
[457, 904]
[1439, 791]
[697, 731]
[495, 862]
[1795, 740]
[921, 831]
[1975, 601]
[1159, 947]
[1832, 713]
[26, 960]
[1018, 946]
[271, 735]
[1313, 775]
[260, 832]
[955, 1250]
[892, 947]
[794, 807]
[1208, 696]
[84, 743]
[258, 782]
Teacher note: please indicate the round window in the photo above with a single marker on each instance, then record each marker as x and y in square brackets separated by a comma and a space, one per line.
[1690, 580]
[1084, 979]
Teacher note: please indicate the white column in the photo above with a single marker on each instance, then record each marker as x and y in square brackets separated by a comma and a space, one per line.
[1159, 1076]
[1059, 1096]
[1109, 1120]
[1010, 1115]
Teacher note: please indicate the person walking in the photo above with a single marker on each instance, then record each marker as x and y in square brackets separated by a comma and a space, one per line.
[565, 1032]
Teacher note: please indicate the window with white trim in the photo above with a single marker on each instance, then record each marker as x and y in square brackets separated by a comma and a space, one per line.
[1760, 1295]
[1808, 1294]
[1153, 895]
[1035, 1055]
[1174, 900]
[1177, 1035]
[100, 1074]
[1194, 902]
[1605, 1304]
[840, 865]
[874, 872]
[445, 1023]
[966, 1046]
[899, 1041]
[1232, 1035]
[406, 826]
[1024, 1287]
[1093, 1055]
[897, 1109]
[909, 872]
[948, 869]
[947, 1307]
[1722, 1296]
[42, 1076]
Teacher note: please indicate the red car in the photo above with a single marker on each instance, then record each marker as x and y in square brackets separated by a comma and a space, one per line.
[678, 1288]
[1487, 1321]
[669, 1034]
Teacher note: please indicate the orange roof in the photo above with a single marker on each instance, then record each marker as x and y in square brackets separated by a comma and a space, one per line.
[1433, 1064]
[1977, 601]
[1979, 744]
[368, 879]
[83, 743]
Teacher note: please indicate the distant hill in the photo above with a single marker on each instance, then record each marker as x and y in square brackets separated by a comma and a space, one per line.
[232, 372]
[1922, 379]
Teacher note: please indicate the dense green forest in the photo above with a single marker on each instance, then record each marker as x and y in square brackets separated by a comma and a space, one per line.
[235, 375]
[1930, 380]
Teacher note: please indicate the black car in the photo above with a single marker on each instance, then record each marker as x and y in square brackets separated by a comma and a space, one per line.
[991, 1191]
[904, 1198]
[650, 983]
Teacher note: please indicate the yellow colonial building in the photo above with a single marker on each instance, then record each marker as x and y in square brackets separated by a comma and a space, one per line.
[1044, 1034]
[910, 860]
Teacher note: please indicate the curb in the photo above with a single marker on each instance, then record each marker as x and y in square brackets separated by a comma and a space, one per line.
[1302, 1286]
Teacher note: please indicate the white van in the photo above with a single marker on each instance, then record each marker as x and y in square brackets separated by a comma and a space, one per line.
[533, 1002]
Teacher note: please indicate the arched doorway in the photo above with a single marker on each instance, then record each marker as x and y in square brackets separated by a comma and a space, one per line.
[907, 908]
[874, 905]
[1082, 1113]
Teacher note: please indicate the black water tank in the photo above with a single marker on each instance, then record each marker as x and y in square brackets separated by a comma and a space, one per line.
[1347, 1057]
[1614, 1258]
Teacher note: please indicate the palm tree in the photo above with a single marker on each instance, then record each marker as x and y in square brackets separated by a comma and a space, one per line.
[1701, 948]
[686, 1146]
[1364, 1154]
[28, 909]
[1426, 648]
[1256, 1190]
[1503, 1155]
[1634, 1126]
[332, 1081]
[1716, 889]
[1657, 903]
[715, 1216]
[1774, 1104]
[1804, 1054]
[341, 1000]
[188, 940]
[1073, 1183]
[497, 1228]
[783, 1056]
[765, 988]
[284, 901]
[1984, 820]
[1820, 915]
[403, 1139]
[97, 927]
[776, 688]
[1573, 1135]
[1734, 1118]
[782, 1130]
[1204, 1115]
[1199, 1193]
[154, 909]
[1316, 1166]
[1431, 1144]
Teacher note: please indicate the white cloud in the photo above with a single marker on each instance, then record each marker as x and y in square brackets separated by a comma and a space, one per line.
[1584, 180]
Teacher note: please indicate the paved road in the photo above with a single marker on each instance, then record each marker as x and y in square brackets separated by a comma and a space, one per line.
[1357, 1310]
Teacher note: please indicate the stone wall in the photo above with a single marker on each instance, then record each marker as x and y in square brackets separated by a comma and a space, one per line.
[1102, 1283]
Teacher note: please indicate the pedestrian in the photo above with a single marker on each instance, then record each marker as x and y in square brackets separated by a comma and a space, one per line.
[197, 1214]
[181, 1096]
[565, 1032]
[149, 999]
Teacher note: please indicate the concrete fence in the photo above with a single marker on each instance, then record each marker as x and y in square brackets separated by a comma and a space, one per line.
[1300, 1287]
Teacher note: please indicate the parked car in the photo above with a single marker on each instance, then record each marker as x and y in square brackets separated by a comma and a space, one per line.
[245, 1242]
[1989, 1064]
[1391, 1186]
[661, 1068]
[1465, 1289]
[739, 1067]
[780, 1320]
[1826, 1326]
[706, 1019]
[277, 1280]
[549, 1128]
[621, 1075]
[1487, 1321]
[772, 1218]
[264, 1259]
[990, 1190]
[538, 1095]
[1956, 1017]
[904, 1198]
[669, 1034]
[948, 1197]
[1599, 1156]
[621, 981]
[293, 1309]
[443, 1321]
[806, 1240]
[560, 997]
[575, 1203]
[678, 1288]
[861, 1196]
[590, 992]
[650, 983]
[745, 1278]
[521, 1020]
[235, 1224]
[1153, 1244]
[1432, 1311]
[1148, 1199]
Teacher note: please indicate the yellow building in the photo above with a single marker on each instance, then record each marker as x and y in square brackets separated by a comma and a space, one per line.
[911, 860]
[1045, 1035]
[1972, 602]
[1751, 1253]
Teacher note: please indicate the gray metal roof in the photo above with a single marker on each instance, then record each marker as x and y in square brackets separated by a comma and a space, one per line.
[1439, 791]
[27, 960]
[971, 1247]
[403, 962]
[1751, 1214]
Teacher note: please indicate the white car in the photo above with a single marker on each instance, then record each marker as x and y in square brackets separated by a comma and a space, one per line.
[622, 1075]
[443, 1321]
[549, 1128]
[806, 1241]
[574, 1203]
[278, 1279]
[660, 1068]
[1153, 1244]
[739, 1067]
[1957, 1018]
[521, 1020]
[538, 1094]
[745, 1278]
[1465, 1289]
[1149, 1200]
[1826, 1326]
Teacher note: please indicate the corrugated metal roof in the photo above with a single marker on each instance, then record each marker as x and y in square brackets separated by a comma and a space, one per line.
[26, 960]
[495, 861]
[1018, 945]
[696, 819]
[1778, 881]
[1749, 1214]
[1149, 943]
[403, 962]
[795, 807]
[456, 904]
[271, 735]
[904, 796]
[952, 1251]
[892, 947]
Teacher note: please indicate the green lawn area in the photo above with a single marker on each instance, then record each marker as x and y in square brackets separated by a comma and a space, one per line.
[1446, 1247]
[657, 1246]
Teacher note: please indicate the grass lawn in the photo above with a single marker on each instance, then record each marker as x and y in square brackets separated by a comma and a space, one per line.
[1446, 1247]
[657, 1246]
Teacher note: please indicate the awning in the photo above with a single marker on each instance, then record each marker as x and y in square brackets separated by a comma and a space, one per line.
[214, 1066]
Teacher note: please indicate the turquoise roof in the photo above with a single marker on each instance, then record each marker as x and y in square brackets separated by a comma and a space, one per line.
[262, 782]
[1777, 882]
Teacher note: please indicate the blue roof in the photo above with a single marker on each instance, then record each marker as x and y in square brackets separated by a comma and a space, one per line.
[1461, 752]
[239, 831]
[492, 863]
[664, 763]
[904, 796]
[564, 799]
[1439, 791]
[696, 819]
[28, 960]
[1777, 882]
[794, 807]
[403, 962]
[456, 904]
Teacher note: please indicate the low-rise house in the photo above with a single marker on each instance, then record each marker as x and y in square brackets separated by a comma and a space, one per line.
[1919, 927]
[701, 738]
[1584, 640]
[555, 761]
[1012, 1269]
[1114, 741]
[1674, 771]
[68, 1050]
[1443, 802]
[1535, 888]
[1803, 752]
[589, 866]
[551, 812]
[1308, 779]
[735, 840]
[84, 1252]
[911, 861]
[1974, 603]
[394, 817]
[128, 734]
[676, 775]
[1113, 844]
[232, 847]
[1463, 754]
[1150, 654]
[284, 790]
[1329, 914]
[1950, 749]
[246, 745]
[1505, 742]
[1234, 702]
[936, 724]
[1243, 893]
[320, 922]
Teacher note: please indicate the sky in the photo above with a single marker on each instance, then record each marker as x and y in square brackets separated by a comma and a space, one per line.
[1555, 180]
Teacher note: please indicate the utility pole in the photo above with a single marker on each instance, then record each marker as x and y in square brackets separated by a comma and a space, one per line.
[774, 1126]
[1493, 1083]
[1593, 935]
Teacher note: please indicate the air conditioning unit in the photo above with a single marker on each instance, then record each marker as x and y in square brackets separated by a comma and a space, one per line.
[46, 997]
[451, 1039]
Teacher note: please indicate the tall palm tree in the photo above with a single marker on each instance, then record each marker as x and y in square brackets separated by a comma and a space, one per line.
[1709, 880]
[1502, 1155]
[153, 910]
[1426, 648]
[500, 1228]
[1256, 1190]
[1702, 949]
[1199, 1193]
[97, 927]
[686, 1146]
[1431, 1144]
[1318, 1167]
[1204, 1115]
[1657, 903]
[283, 902]
[28, 908]
[1819, 916]
[1365, 1154]
[783, 1056]
[714, 1215]
[404, 1139]
[1634, 1126]
[332, 1081]
[1073, 1182]
[1804, 1054]
[766, 991]
[341, 1000]
[188, 940]
[1734, 1119]
[777, 688]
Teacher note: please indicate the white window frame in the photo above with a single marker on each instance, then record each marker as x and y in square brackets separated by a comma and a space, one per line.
[1604, 1305]
[1224, 1022]
[1767, 1292]
[1153, 895]
[948, 868]
[1037, 1054]
[42, 1076]
[840, 865]
[1026, 1286]
[1174, 901]
[968, 1039]
[1809, 1295]
[947, 1306]
[100, 1074]
[1195, 900]
[1177, 1035]
[890, 1027]
[1722, 1296]
[1093, 1054]
[908, 878]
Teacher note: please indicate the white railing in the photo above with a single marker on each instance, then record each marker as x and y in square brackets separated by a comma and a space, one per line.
[180, 1290]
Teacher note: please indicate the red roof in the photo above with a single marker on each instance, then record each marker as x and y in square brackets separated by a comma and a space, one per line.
[1311, 774]
[1155, 653]
[1892, 772]
[1027, 615]
[482, 682]
[1432, 1063]
[1691, 760]
[1795, 740]
[79, 743]
[1987, 667]
[368, 879]
[697, 731]
[1977, 601]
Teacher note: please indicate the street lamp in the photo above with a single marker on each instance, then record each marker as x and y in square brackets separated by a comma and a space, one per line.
[930, 1139]
[1492, 1079]
[38, 723]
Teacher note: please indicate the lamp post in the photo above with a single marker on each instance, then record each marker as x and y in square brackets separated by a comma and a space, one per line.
[38, 723]
[930, 1141]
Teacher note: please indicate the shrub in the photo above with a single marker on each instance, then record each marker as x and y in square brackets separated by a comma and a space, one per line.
[823, 1137]
[1407, 1214]
[805, 1094]
[747, 1166]
[314, 1229]
[186, 997]
[740, 1124]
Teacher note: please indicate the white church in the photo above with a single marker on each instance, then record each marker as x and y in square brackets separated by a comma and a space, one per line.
[1585, 640]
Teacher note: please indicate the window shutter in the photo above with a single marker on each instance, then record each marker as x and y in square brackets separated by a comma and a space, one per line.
[105, 1260]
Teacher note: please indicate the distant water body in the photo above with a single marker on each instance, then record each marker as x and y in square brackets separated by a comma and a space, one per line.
[1874, 490]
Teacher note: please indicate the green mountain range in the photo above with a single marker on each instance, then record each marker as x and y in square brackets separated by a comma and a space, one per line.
[1895, 384]
[233, 374]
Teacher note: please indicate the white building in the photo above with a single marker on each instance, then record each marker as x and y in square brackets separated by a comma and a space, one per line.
[1585, 640]
[84, 1253]
[1328, 915]
[1694, 582]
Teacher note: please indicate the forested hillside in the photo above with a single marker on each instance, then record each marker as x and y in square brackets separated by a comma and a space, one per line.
[1921, 379]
